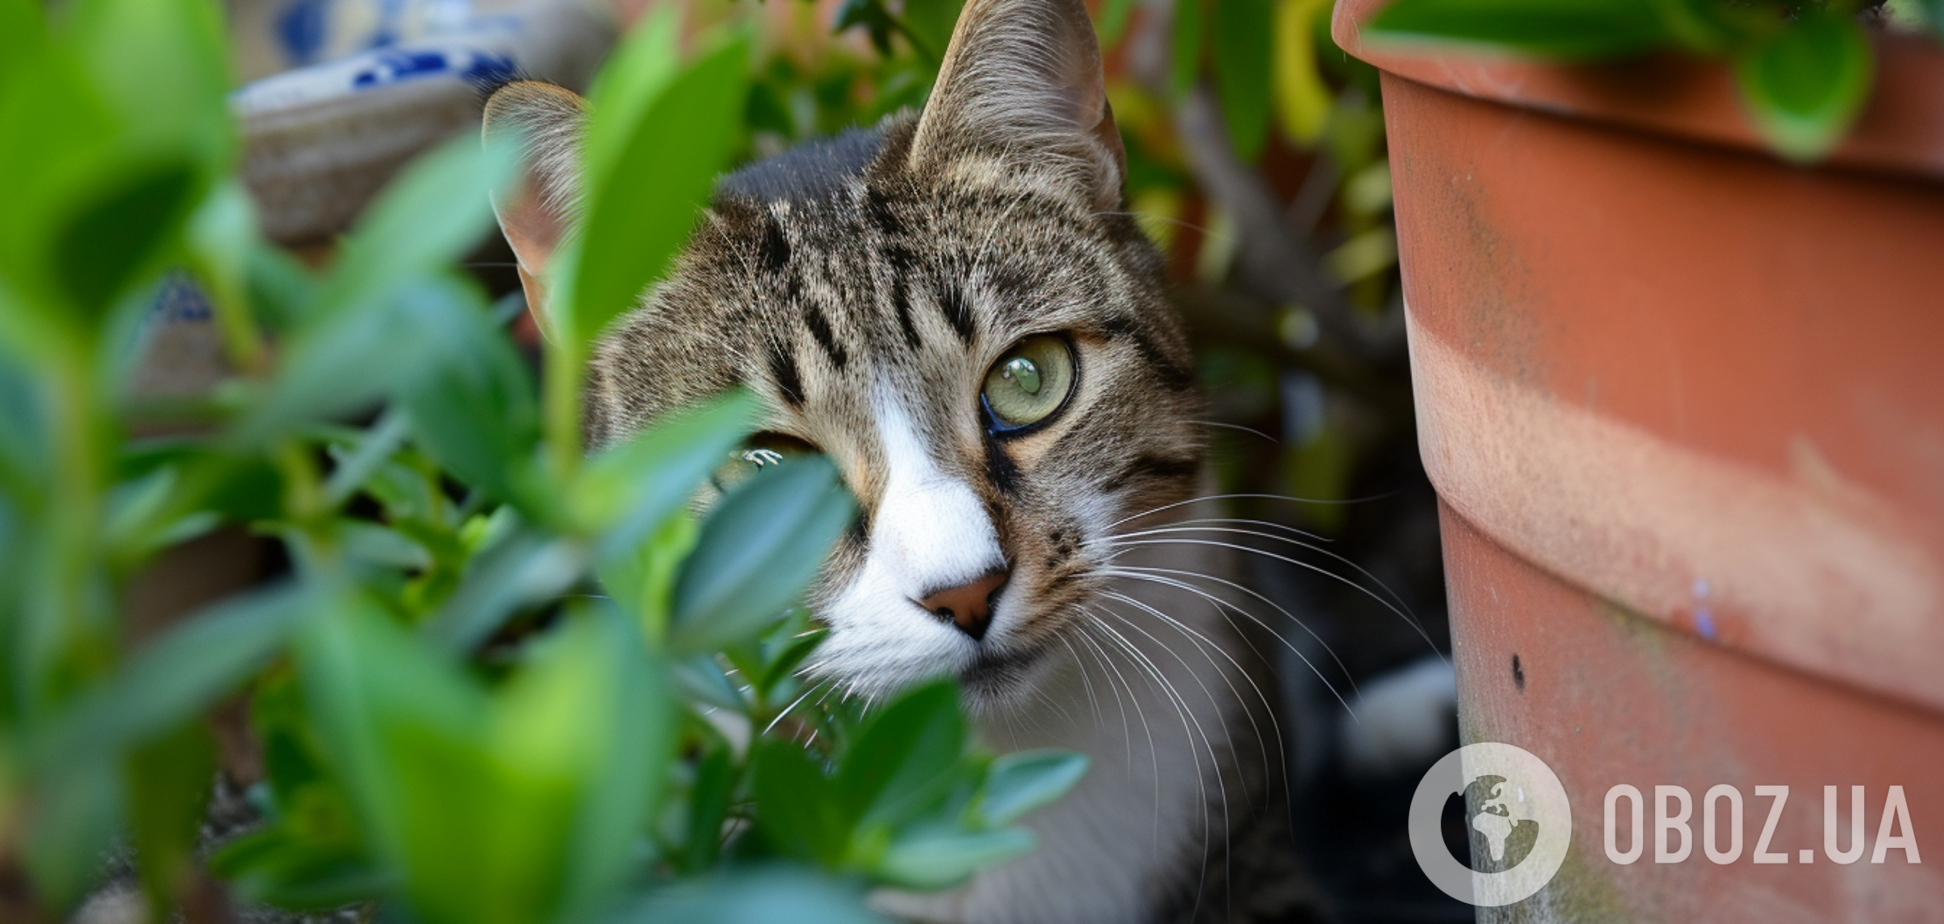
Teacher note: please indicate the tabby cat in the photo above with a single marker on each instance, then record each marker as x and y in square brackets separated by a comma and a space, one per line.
[954, 307]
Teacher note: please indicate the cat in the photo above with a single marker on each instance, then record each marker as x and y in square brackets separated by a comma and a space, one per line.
[956, 309]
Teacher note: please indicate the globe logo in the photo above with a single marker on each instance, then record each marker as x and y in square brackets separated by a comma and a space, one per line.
[1501, 835]
[1517, 818]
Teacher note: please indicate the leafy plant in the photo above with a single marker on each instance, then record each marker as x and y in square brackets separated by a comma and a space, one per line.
[1803, 67]
[501, 681]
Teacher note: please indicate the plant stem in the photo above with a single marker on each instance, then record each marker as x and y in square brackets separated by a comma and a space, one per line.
[76, 598]
[308, 509]
[561, 394]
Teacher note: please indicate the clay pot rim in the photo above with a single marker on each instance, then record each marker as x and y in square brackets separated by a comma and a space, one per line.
[1901, 130]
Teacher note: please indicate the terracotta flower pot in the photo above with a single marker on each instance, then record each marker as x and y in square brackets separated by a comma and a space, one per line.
[1684, 406]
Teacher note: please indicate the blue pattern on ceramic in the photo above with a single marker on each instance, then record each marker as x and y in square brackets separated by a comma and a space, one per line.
[301, 29]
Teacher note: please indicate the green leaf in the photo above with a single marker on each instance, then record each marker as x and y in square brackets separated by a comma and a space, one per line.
[701, 679]
[1244, 31]
[294, 760]
[1021, 782]
[642, 582]
[280, 288]
[342, 362]
[175, 677]
[522, 567]
[1705, 27]
[1558, 29]
[158, 67]
[410, 737]
[168, 782]
[751, 898]
[46, 96]
[790, 657]
[163, 66]
[758, 550]
[75, 816]
[376, 544]
[22, 26]
[1303, 99]
[1806, 84]
[23, 430]
[118, 238]
[708, 808]
[470, 396]
[627, 490]
[797, 809]
[271, 866]
[1185, 54]
[430, 215]
[931, 860]
[364, 678]
[905, 758]
[642, 205]
[634, 75]
[373, 448]
[596, 681]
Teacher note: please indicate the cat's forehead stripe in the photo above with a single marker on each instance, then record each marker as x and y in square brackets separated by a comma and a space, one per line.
[776, 243]
[821, 332]
[784, 375]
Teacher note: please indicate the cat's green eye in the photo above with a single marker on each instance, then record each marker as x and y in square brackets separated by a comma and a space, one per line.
[756, 453]
[1028, 383]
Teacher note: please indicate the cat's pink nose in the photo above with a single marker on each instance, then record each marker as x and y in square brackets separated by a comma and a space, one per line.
[967, 606]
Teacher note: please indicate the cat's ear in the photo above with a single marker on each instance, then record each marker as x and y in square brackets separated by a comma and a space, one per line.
[1021, 87]
[548, 124]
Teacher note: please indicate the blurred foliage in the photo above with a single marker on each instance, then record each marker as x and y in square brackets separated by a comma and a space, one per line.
[500, 681]
[1803, 67]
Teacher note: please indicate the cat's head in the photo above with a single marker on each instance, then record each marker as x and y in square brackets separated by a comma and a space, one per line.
[955, 309]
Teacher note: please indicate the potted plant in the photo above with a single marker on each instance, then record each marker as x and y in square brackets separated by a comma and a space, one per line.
[1675, 329]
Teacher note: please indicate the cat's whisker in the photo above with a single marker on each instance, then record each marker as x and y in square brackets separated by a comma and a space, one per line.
[1408, 620]
[1048, 700]
[1223, 425]
[1127, 734]
[1191, 727]
[1281, 529]
[1196, 525]
[1156, 575]
[1206, 692]
[1145, 573]
[787, 709]
[1099, 645]
[1093, 704]
[1285, 498]
[1186, 712]
[1203, 645]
